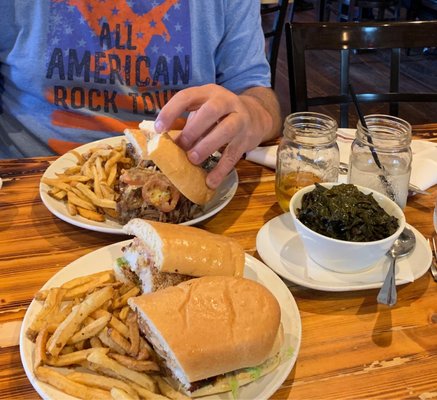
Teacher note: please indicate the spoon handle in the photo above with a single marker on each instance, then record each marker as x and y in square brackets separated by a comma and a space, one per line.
[387, 294]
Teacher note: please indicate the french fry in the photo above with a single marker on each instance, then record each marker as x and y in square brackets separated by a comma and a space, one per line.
[76, 357]
[134, 334]
[71, 324]
[57, 183]
[112, 161]
[81, 290]
[134, 364]
[105, 203]
[141, 379]
[57, 193]
[40, 348]
[90, 330]
[77, 201]
[73, 170]
[95, 342]
[122, 300]
[119, 394]
[124, 313]
[108, 341]
[80, 159]
[168, 391]
[113, 323]
[72, 388]
[50, 307]
[102, 382]
[145, 350]
[112, 175]
[71, 208]
[92, 215]
[81, 280]
[147, 394]
[119, 340]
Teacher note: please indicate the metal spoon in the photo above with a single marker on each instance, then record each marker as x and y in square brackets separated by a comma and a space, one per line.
[401, 247]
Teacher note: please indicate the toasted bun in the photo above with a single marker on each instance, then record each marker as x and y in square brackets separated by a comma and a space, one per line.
[210, 326]
[138, 139]
[188, 250]
[188, 178]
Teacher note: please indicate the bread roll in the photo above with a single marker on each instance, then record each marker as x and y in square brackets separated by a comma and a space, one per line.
[210, 326]
[188, 250]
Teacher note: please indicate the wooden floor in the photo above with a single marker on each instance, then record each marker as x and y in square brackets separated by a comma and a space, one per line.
[368, 73]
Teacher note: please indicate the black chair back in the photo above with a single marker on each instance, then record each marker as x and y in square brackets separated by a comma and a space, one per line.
[273, 16]
[345, 37]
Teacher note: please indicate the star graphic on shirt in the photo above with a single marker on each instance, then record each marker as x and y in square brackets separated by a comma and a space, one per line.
[68, 30]
[81, 43]
[82, 20]
[90, 7]
[154, 4]
[127, 22]
[152, 23]
[179, 48]
[178, 27]
[71, 9]
[140, 35]
[57, 19]
[177, 6]
[55, 41]
[155, 48]
[165, 17]
[115, 11]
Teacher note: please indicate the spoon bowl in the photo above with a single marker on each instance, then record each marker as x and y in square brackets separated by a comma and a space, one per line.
[402, 246]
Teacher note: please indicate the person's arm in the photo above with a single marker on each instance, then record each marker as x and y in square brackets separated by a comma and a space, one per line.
[219, 118]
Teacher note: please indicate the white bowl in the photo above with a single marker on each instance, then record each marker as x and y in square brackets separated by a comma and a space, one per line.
[339, 255]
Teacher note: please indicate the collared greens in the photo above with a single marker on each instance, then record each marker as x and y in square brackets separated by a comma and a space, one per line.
[345, 213]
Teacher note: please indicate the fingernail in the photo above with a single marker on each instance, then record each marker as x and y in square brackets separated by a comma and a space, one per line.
[193, 157]
[159, 126]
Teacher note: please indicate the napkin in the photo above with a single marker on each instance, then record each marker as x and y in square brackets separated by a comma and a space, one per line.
[423, 169]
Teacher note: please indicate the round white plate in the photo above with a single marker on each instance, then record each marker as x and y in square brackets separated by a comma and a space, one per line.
[223, 196]
[103, 259]
[281, 248]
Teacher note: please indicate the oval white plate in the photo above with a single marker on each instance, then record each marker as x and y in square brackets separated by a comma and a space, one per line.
[223, 196]
[281, 248]
[104, 258]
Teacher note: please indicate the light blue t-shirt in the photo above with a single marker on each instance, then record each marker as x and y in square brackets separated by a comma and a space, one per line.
[77, 71]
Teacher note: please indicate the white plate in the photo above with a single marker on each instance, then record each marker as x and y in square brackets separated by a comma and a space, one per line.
[223, 196]
[281, 248]
[103, 259]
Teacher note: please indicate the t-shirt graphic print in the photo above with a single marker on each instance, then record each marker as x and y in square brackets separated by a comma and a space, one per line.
[114, 58]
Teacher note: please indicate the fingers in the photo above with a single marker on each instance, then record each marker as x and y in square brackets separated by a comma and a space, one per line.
[230, 157]
[186, 100]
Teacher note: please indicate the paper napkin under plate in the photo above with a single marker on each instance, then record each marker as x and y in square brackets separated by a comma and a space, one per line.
[423, 170]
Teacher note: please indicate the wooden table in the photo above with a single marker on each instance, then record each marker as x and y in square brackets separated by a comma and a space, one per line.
[352, 348]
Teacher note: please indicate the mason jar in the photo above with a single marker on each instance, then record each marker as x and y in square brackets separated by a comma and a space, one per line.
[307, 153]
[381, 156]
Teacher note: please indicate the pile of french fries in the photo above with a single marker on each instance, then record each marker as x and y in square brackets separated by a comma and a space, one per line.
[85, 325]
[88, 186]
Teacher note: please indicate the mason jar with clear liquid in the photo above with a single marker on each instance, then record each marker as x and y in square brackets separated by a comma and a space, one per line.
[381, 156]
[307, 153]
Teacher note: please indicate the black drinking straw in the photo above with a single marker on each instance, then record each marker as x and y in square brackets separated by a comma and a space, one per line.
[383, 178]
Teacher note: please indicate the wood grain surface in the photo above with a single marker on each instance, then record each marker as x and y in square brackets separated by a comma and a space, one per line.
[352, 348]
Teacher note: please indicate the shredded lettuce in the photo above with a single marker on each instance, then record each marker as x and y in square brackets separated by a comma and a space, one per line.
[121, 262]
[255, 372]
[234, 385]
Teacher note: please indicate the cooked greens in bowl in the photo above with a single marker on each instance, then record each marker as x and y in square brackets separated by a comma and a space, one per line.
[328, 211]
[343, 212]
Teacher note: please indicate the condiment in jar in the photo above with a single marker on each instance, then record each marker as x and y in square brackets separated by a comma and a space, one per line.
[381, 156]
[307, 153]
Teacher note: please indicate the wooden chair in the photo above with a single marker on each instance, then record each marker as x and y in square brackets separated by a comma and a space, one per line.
[344, 37]
[350, 10]
[273, 14]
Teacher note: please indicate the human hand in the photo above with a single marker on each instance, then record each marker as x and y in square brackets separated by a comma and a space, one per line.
[218, 118]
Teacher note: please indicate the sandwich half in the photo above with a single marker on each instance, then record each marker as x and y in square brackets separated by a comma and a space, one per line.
[213, 333]
[163, 255]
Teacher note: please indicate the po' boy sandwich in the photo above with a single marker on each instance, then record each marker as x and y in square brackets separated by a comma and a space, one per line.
[163, 255]
[212, 334]
[164, 185]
